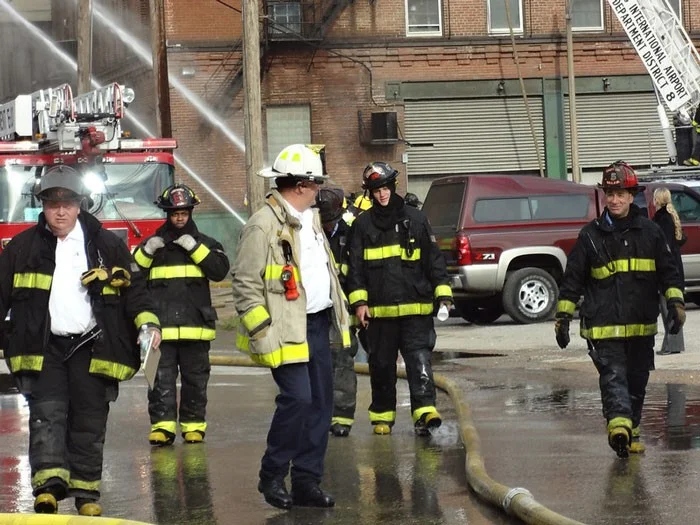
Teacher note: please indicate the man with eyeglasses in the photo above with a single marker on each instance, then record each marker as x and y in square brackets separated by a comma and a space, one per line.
[287, 294]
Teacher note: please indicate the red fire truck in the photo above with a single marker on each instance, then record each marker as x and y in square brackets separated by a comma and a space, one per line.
[51, 126]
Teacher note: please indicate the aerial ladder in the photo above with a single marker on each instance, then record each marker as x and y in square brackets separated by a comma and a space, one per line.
[668, 55]
[54, 120]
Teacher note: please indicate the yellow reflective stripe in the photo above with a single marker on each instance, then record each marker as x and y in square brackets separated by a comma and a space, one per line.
[566, 306]
[111, 369]
[342, 421]
[674, 293]
[168, 426]
[145, 318]
[623, 265]
[193, 427]
[443, 290]
[346, 339]
[42, 476]
[401, 310]
[254, 317]
[619, 331]
[26, 363]
[382, 417]
[357, 295]
[620, 422]
[80, 484]
[274, 272]
[143, 260]
[192, 333]
[386, 252]
[200, 253]
[344, 269]
[175, 272]
[418, 412]
[41, 281]
[108, 290]
[286, 354]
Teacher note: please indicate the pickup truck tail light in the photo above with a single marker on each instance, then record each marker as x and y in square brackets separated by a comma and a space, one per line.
[463, 249]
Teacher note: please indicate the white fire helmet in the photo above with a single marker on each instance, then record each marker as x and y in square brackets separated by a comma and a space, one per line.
[303, 161]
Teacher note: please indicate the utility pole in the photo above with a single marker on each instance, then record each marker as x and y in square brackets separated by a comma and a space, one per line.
[252, 112]
[160, 68]
[84, 37]
[573, 126]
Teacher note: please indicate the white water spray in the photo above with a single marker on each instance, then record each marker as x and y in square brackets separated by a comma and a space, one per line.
[144, 53]
[74, 65]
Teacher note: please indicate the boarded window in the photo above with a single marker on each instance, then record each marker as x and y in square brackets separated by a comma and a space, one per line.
[286, 125]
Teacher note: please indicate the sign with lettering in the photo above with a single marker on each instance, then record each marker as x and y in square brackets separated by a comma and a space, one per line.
[668, 81]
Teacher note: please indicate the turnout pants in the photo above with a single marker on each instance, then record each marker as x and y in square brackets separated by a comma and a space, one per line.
[68, 411]
[298, 432]
[344, 382]
[623, 366]
[191, 360]
[415, 337]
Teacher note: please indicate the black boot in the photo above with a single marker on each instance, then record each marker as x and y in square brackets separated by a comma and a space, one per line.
[275, 493]
[311, 496]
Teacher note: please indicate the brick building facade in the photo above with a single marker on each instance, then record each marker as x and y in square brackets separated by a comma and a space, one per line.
[431, 86]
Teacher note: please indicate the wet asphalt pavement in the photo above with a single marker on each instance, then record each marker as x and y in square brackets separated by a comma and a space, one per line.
[536, 409]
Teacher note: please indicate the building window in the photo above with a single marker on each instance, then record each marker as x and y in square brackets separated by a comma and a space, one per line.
[498, 17]
[586, 15]
[285, 18]
[286, 125]
[423, 17]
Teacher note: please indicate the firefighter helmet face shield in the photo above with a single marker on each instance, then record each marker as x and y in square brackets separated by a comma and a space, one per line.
[378, 174]
[620, 176]
[177, 197]
[60, 183]
[305, 162]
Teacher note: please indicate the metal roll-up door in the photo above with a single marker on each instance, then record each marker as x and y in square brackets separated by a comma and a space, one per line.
[617, 126]
[472, 135]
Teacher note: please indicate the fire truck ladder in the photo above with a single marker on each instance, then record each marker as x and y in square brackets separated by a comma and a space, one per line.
[53, 117]
[668, 54]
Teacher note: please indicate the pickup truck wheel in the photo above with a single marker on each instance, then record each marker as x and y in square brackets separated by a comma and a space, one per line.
[481, 313]
[530, 295]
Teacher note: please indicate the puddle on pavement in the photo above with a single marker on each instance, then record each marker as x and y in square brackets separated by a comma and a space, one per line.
[446, 356]
[671, 417]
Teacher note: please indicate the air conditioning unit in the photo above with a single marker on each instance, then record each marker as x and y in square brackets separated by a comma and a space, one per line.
[385, 129]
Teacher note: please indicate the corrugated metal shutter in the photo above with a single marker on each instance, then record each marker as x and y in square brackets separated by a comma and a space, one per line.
[472, 135]
[616, 126]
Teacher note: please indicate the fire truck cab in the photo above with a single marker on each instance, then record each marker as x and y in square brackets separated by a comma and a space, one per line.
[123, 175]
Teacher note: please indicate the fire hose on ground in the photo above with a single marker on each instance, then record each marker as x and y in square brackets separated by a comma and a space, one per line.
[515, 501]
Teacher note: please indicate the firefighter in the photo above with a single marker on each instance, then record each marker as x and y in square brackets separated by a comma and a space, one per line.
[411, 199]
[619, 264]
[180, 261]
[397, 274]
[331, 205]
[292, 309]
[76, 302]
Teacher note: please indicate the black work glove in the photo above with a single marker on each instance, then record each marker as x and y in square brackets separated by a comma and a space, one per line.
[676, 317]
[561, 330]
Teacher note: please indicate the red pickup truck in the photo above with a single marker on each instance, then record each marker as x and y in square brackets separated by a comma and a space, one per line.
[506, 239]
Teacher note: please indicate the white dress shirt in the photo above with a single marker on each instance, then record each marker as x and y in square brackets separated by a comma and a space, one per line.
[314, 264]
[69, 304]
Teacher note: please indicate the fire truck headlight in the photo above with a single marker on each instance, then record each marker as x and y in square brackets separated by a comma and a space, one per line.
[128, 96]
[93, 182]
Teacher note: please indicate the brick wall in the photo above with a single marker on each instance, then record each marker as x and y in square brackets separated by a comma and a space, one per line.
[335, 80]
